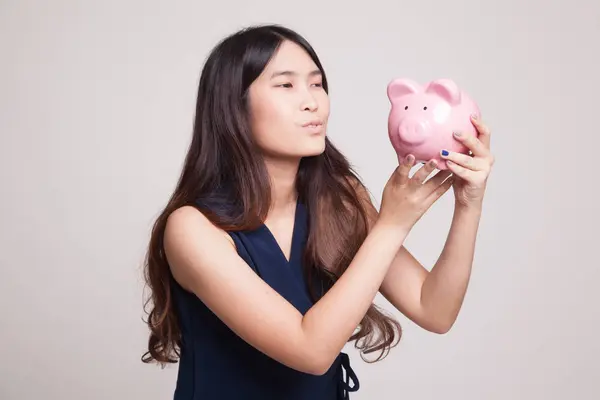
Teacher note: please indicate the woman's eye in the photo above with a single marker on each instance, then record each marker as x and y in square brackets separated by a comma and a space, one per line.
[289, 85]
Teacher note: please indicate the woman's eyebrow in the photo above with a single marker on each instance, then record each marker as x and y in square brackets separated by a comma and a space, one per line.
[293, 73]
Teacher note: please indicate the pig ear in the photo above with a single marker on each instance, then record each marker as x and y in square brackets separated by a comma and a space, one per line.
[446, 89]
[400, 87]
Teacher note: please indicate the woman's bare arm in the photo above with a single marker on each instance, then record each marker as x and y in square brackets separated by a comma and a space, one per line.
[204, 261]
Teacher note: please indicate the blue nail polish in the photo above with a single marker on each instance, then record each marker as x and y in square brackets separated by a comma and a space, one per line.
[444, 152]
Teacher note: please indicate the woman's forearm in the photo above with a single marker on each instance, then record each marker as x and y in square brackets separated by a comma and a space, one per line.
[444, 288]
[333, 319]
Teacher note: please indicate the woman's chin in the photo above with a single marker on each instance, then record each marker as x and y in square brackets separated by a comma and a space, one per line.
[308, 147]
[313, 147]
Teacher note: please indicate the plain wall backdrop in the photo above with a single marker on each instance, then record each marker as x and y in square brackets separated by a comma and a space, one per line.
[96, 108]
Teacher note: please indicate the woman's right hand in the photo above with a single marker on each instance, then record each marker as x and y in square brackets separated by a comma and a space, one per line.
[405, 199]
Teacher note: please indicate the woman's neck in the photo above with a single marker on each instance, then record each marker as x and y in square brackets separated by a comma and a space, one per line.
[283, 184]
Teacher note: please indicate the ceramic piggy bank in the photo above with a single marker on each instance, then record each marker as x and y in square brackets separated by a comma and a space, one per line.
[422, 119]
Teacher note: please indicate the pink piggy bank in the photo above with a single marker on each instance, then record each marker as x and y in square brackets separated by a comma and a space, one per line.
[422, 119]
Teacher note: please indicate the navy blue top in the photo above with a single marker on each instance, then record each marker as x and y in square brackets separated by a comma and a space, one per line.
[215, 363]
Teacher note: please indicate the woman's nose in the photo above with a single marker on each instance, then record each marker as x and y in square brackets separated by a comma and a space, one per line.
[310, 103]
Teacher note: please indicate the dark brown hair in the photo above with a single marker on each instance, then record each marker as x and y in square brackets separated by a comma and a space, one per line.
[223, 166]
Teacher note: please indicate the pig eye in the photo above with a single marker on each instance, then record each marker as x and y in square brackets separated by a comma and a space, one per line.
[406, 107]
[425, 108]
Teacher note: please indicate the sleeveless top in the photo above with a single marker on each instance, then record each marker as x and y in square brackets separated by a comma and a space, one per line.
[215, 363]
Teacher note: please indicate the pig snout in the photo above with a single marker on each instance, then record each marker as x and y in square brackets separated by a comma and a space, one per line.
[413, 131]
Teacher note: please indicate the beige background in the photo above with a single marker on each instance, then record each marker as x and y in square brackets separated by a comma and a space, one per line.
[96, 109]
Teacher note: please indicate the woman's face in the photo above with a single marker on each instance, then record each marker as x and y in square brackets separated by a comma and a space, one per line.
[288, 106]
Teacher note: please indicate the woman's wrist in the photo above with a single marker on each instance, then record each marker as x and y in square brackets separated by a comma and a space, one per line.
[471, 208]
[397, 233]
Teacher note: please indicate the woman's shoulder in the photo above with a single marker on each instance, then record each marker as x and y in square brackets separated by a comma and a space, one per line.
[196, 219]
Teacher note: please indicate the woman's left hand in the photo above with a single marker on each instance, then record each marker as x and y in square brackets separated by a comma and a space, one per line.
[473, 170]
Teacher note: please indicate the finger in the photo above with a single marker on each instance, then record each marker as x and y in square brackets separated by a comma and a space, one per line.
[404, 168]
[484, 131]
[461, 171]
[472, 143]
[436, 180]
[464, 160]
[423, 172]
[440, 190]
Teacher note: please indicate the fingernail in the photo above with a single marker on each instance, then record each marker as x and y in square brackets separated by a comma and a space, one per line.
[445, 152]
[409, 158]
[457, 133]
[474, 116]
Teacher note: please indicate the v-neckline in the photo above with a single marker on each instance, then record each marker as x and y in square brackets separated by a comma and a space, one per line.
[292, 241]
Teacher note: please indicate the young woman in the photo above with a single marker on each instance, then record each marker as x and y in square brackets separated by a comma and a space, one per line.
[268, 256]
